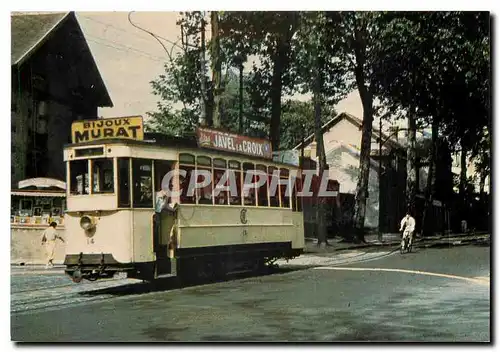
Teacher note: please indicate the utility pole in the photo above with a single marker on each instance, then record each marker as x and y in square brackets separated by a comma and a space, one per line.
[203, 116]
[216, 68]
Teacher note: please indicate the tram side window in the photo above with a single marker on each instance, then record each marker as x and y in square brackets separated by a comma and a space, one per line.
[204, 194]
[220, 166]
[262, 196]
[293, 184]
[79, 177]
[273, 196]
[142, 182]
[249, 199]
[186, 163]
[102, 178]
[234, 168]
[298, 188]
[123, 182]
[285, 199]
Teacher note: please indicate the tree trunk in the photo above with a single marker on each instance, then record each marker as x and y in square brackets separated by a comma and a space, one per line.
[463, 180]
[241, 100]
[204, 119]
[321, 206]
[364, 160]
[463, 169]
[411, 164]
[276, 88]
[216, 69]
[482, 182]
[427, 229]
[281, 62]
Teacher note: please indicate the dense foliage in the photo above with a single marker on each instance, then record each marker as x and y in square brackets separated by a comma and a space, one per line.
[431, 68]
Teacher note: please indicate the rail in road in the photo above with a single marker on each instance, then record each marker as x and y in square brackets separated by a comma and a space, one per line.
[49, 296]
[56, 296]
[53, 295]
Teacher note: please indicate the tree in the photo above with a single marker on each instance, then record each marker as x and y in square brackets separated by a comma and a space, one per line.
[269, 36]
[436, 68]
[216, 68]
[179, 105]
[193, 27]
[297, 121]
[317, 75]
[178, 86]
[356, 49]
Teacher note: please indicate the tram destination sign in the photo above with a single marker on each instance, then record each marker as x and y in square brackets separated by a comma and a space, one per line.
[116, 127]
[215, 139]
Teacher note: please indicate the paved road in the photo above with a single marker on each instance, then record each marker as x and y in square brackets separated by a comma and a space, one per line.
[432, 295]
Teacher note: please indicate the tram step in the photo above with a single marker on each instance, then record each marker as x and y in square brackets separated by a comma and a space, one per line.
[164, 276]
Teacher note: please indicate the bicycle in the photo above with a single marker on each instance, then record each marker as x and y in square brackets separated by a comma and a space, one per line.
[406, 243]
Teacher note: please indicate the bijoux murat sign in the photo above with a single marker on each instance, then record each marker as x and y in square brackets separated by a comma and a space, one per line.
[118, 127]
[220, 140]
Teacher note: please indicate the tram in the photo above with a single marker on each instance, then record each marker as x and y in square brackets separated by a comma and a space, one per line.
[114, 179]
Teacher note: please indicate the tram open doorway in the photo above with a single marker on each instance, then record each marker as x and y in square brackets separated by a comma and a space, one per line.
[163, 220]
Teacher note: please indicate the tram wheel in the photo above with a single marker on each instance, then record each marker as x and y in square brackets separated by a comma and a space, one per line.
[77, 276]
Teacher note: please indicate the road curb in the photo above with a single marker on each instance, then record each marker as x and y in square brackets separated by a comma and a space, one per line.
[423, 243]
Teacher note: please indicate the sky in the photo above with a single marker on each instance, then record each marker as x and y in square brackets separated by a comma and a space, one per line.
[129, 59]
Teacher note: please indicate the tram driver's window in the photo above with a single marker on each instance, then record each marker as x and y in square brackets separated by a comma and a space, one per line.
[123, 182]
[162, 168]
[143, 183]
[102, 176]
[79, 177]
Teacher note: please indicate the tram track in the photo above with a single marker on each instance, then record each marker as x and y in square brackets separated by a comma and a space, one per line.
[327, 260]
[385, 254]
[61, 286]
[62, 296]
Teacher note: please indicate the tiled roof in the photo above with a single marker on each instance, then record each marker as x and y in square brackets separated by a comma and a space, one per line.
[29, 31]
[357, 122]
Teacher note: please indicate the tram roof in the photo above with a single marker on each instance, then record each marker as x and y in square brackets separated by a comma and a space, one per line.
[161, 140]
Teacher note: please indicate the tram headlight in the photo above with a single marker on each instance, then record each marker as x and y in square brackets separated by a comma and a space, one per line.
[86, 223]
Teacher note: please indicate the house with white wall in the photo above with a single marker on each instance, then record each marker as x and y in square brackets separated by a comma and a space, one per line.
[342, 140]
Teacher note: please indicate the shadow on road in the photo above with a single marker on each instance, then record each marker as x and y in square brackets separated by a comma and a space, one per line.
[172, 283]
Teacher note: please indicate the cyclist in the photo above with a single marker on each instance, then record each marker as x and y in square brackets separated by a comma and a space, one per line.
[408, 223]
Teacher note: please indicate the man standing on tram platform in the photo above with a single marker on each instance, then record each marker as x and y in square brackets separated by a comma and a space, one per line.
[49, 237]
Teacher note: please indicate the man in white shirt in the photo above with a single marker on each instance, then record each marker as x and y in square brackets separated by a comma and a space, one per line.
[408, 223]
[49, 238]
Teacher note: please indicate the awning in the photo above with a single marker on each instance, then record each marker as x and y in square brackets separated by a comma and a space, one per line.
[42, 182]
[38, 194]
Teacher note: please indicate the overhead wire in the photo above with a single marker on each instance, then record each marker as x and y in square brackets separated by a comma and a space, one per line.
[126, 31]
[176, 76]
[122, 47]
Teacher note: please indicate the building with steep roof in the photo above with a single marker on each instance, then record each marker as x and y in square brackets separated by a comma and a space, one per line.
[386, 203]
[54, 81]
